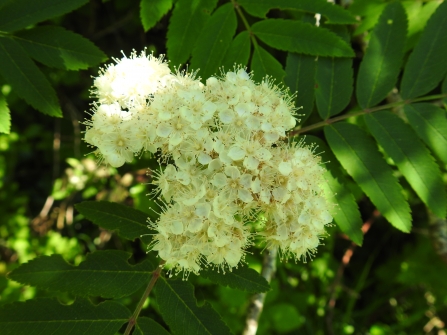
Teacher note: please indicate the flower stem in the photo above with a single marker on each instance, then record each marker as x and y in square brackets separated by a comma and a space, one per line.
[150, 286]
[365, 111]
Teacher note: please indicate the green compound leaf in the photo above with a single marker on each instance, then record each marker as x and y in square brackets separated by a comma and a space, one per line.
[147, 326]
[263, 64]
[242, 278]
[239, 51]
[334, 14]
[19, 14]
[48, 316]
[5, 116]
[179, 309]
[411, 157]
[214, 41]
[426, 66]
[151, 11]
[358, 154]
[334, 85]
[104, 273]
[60, 48]
[126, 221]
[345, 210]
[300, 78]
[383, 58]
[296, 36]
[430, 123]
[186, 23]
[370, 11]
[26, 79]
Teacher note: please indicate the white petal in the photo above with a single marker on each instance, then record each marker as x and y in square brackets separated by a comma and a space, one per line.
[285, 168]
[203, 158]
[203, 209]
[219, 180]
[226, 116]
[236, 153]
[163, 130]
[232, 172]
[245, 196]
[177, 227]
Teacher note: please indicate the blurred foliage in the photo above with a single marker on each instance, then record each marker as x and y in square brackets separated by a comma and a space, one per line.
[394, 284]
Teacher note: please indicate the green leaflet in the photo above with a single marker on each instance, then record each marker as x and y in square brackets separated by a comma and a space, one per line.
[370, 10]
[426, 65]
[358, 154]
[239, 51]
[263, 64]
[19, 14]
[127, 222]
[411, 157]
[146, 326]
[214, 41]
[5, 116]
[345, 210]
[300, 74]
[53, 273]
[151, 11]
[179, 309]
[56, 47]
[48, 316]
[334, 85]
[430, 123]
[334, 14]
[383, 58]
[26, 79]
[187, 21]
[296, 36]
[241, 278]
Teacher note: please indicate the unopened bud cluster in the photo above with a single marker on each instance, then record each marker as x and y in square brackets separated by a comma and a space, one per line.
[228, 168]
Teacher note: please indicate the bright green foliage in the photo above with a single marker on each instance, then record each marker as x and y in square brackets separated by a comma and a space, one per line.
[300, 73]
[151, 11]
[296, 36]
[426, 65]
[148, 326]
[19, 14]
[187, 22]
[411, 157]
[26, 79]
[126, 221]
[239, 51]
[48, 316]
[214, 41]
[430, 123]
[370, 10]
[334, 80]
[359, 156]
[5, 116]
[263, 64]
[104, 273]
[242, 278]
[60, 48]
[179, 309]
[334, 14]
[383, 58]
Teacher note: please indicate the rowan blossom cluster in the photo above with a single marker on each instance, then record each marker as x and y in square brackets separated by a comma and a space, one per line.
[227, 161]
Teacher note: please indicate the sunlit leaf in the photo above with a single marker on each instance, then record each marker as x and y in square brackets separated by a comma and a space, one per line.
[26, 79]
[48, 316]
[5, 116]
[430, 123]
[300, 78]
[214, 41]
[426, 65]
[126, 221]
[241, 278]
[358, 154]
[383, 58]
[56, 47]
[151, 11]
[334, 14]
[187, 21]
[239, 51]
[263, 64]
[369, 10]
[104, 273]
[19, 14]
[179, 309]
[296, 36]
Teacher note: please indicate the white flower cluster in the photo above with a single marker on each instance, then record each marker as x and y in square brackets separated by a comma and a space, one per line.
[227, 162]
